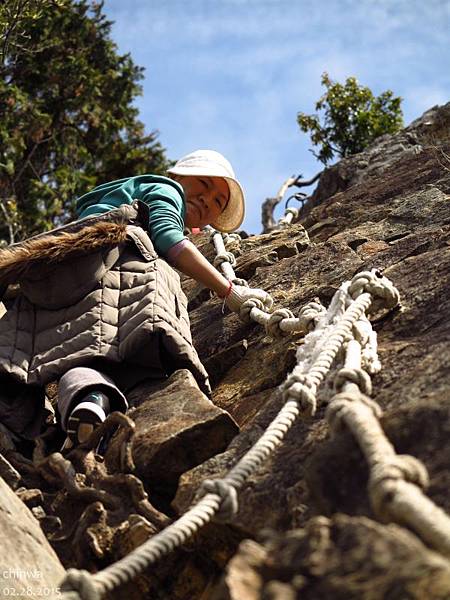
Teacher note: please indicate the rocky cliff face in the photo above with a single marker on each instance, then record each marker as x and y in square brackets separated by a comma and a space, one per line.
[305, 527]
[308, 507]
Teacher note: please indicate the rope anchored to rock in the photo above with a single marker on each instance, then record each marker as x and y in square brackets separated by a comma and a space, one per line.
[396, 481]
[217, 499]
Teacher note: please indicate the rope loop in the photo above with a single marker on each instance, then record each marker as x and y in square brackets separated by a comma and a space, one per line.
[81, 582]
[212, 232]
[290, 214]
[273, 324]
[293, 211]
[309, 314]
[247, 306]
[358, 376]
[298, 388]
[239, 281]
[401, 466]
[383, 291]
[231, 237]
[225, 257]
[386, 476]
[229, 505]
[342, 404]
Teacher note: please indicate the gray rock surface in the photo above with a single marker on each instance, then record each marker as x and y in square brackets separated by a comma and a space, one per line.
[396, 218]
[343, 558]
[428, 130]
[177, 428]
[29, 567]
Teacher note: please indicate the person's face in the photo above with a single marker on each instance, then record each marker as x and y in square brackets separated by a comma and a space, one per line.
[206, 198]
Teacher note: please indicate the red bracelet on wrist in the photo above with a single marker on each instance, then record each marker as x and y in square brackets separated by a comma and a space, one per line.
[228, 292]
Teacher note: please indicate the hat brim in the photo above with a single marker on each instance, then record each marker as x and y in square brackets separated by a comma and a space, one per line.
[231, 218]
[233, 215]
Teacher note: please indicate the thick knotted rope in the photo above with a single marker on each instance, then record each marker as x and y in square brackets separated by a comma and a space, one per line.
[383, 292]
[273, 324]
[248, 306]
[290, 214]
[284, 321]
[400, 466]
[80, 585]
[225, 260]
[302, 389]
[342, 406]
[326, 355]
[357, 376]
[310, 313]
[279, 323]
[367, 337]
[396, 481]
[225, 257]
[334, 329]
[240, 281]
[228, 498]
[395, 484]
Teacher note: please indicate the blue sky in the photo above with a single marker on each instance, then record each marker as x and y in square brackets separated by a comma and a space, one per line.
[231, 75]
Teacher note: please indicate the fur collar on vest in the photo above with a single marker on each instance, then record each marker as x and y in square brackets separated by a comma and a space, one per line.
[58, 246]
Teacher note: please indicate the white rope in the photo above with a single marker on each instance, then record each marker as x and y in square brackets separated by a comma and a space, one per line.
[367, 291]
[396, 481]
[299, 393]
[224, 260]
[290, 214]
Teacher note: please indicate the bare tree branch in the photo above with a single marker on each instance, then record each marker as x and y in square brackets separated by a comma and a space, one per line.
[268, 206]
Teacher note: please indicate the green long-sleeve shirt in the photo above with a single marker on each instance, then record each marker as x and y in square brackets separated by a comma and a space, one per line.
[164, 197]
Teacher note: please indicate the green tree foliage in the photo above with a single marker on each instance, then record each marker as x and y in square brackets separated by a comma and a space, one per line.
[352, 117]
[67, 120]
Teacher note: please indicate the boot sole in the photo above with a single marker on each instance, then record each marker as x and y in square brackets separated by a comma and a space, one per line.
[83, 420]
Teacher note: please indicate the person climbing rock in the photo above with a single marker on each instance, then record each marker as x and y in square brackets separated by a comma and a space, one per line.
[100, 306]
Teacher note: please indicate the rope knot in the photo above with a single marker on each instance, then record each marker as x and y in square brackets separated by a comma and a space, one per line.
[299, 388]
[225, 257]
[273, 324]
[370, 361]
[401, 466]
[82, 583]
[384, 293]
[229, 238]
[247, 306]
[345, 402]
[309, 314]
[239, 281]
[290, 214]
[358, 376]
[212, 232]
[228, 498]
[291, 211]
[385, 478]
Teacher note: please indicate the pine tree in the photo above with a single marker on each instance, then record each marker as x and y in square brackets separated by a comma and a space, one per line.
[67, 119]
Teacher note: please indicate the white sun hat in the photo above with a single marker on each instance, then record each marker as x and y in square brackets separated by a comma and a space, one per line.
[210, 163]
